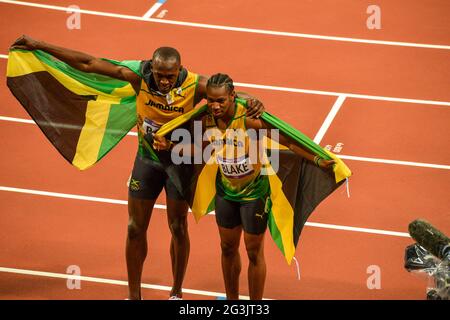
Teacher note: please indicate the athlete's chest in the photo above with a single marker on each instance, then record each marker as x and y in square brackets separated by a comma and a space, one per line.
[155, 109]
[176, 100]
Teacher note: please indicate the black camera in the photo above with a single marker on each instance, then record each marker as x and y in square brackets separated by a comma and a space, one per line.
[435, 266]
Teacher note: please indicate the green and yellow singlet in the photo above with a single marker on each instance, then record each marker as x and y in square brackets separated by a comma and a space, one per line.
[154, 109]
[239, 177]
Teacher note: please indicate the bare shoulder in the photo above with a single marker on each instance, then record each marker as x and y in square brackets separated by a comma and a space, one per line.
[200, 92]
[129, 75]
[202, 80]
[201, 85]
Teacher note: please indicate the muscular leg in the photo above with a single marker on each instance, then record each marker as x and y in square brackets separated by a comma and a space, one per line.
[139, 213]
[257, 264]
[179, 245]
[231, 260]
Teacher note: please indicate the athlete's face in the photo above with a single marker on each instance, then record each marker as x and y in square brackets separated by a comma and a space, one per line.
[165, 73]
[219, 100]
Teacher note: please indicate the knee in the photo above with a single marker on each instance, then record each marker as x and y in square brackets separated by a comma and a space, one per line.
[178, 227]
[229, 249]
[255, 254]
[135, 231]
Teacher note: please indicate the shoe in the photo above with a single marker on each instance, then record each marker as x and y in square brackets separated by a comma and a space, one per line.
[175, 297]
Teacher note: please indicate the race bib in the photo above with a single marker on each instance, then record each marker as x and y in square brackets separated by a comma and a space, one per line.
[235, 168]
[150, 126]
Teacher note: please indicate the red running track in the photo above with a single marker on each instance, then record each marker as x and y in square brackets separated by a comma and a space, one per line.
[48, 234]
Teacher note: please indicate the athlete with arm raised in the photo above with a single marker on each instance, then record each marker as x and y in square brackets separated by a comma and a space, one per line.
[164, 91]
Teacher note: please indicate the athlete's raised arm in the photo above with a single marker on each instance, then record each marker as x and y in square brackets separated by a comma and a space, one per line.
[293, 146]
[80, 60]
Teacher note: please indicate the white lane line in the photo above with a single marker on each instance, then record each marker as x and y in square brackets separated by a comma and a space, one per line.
[330, 93]
[385, 161]
[110, 281]
[72, 196]
[153, 9]
[164, 207]
[20, 120]
[67, 196]
[236, 29]
[330, 117]
[365, 230]
[397, 162]
[337, 94]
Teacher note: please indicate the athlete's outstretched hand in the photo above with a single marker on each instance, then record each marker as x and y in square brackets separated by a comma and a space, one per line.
[26, 43]
[326, 164]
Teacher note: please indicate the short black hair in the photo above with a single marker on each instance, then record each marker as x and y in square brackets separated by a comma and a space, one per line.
[167, 53]
[220, 80]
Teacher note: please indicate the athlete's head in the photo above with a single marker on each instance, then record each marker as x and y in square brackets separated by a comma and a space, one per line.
[220, 94]
[166, 65]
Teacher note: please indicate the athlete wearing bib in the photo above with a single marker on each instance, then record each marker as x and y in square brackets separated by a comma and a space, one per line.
[153, 110]
[241, 189]
[164, 91]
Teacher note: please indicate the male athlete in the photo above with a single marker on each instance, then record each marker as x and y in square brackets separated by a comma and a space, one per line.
[165, 91]
[242, 192]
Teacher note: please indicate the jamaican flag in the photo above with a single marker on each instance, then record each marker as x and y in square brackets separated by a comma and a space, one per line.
[84, 115]
[296, 188]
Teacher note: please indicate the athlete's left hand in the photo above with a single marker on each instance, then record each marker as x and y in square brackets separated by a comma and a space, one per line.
[326, 164]
[160, 143]
[255, 108]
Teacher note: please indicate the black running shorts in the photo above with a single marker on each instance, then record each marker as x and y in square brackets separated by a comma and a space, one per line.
[148, 179]
[251, 215]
